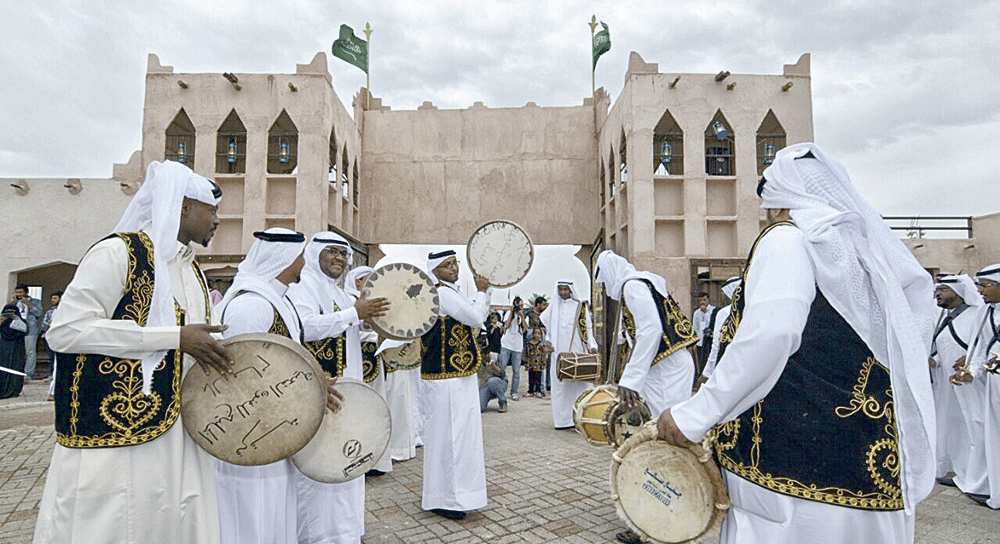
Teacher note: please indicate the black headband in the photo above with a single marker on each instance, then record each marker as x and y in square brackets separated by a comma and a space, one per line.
[297, 237]
[760, 185]
[445, 253]
[730, 280]
[216, 190]
[331, 242]
[989, 272]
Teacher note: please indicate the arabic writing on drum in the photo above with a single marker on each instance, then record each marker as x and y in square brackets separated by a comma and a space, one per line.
[233, 416]
[662, 492]
[501, 252]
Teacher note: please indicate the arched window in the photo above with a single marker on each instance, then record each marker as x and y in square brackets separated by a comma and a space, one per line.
[356, 179]
[770, 139]
[611, 173]
[231, 146]
[282, 145]
[720, 147]
[333, 156]
[180, 140]
[602, 178]
[344, 182]
[668, 147]
[623, 157]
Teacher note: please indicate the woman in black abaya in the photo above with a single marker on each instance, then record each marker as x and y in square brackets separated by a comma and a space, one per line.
[12, 331]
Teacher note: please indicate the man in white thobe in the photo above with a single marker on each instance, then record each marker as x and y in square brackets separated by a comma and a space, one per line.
[825, 376]
[332, 513]
[659, 370]
[454, 461]
[981, 361]
[566, 333]
[257, 504]
[728, 288]
[959, 409]
[158, 486]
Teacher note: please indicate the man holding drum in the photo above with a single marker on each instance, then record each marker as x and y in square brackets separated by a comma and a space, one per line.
[331, 322]
[131, 474]
[454, 462]
[568, 328]
[822, 388]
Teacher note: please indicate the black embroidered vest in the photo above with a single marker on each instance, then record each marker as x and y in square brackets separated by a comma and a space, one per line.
[678, 333]
[581, 324]
[99, 399]
[449, 350]
[369, 364]
[331, 352]
[826, 431]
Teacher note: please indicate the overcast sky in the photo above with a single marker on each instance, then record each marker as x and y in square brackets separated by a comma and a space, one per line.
[904, 93]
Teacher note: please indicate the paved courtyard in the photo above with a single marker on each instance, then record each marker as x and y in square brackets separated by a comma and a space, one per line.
[544, 486]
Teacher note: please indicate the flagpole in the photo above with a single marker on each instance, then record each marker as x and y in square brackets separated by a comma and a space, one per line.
[368, 81]
[593, 68]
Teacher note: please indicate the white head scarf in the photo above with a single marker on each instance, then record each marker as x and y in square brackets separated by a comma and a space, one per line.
[274, 250]
[991, 272]
[874, 282]
[434, 260]
[552, 316]
[157, 207]
[729, 286]
[351, 279]
[323, 287]
[613, 271]
[964, 287]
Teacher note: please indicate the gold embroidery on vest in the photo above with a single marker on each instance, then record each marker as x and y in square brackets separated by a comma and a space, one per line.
[462, 359]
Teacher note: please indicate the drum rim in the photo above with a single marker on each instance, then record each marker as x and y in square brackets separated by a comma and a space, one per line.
[353, 382]
[531, 251]
[366, 289]
[275, 339]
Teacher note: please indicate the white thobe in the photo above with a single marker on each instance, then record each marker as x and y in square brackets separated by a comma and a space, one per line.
[959, 410]
[780, 287]
[384, 463]
[331, 513]
[667, 382]
[398, 392]
[561, 330]
[975, 359]
[713, 354]
[159, 491]
[257, 504]
[454, 461]
[700, 320]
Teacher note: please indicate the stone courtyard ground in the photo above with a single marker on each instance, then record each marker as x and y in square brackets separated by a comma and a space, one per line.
[544, 486]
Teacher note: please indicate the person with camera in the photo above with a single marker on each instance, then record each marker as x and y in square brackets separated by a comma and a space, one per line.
[512, 344]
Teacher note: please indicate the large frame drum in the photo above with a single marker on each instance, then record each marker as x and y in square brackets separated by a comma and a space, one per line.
[501, 252]
[266, 410]
[664, 493]
[413, 299]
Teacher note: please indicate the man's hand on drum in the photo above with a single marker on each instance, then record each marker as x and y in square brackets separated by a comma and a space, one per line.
[666, 429]
[368, 308]
[482, 284]
[198, 342]
[334, 400]
[629, 398]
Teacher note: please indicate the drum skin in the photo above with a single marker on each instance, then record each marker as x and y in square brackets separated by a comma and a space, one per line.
[351, 441]
[500, 251]
[405, 357]
[268, 409]
[666, 494]
[413, 299]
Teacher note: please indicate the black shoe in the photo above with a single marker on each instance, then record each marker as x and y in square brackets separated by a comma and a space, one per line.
[373, 473]
[628, 537]
[979, 499]
[950, 482]
[450, 514]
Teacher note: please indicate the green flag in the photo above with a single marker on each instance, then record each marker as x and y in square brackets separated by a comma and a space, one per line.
[351, 48]
[602, 43]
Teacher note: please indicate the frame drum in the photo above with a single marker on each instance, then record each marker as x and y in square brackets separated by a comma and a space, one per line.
[413, 298]
[501, 252]
[664, 493]
[268, 409]
[405, 357]
[349, 442]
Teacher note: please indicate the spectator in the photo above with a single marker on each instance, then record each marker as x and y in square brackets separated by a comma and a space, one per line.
[12, 331]
[536, 358]
[492, 385]
[494, 330]
[535, 322]
[701, 321]
[46, 323]
[31, 310]
[512, 344]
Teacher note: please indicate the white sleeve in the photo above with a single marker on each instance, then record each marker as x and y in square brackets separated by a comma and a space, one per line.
[82, 322]
[975, 355]
[713, 354]
[591, 341]
[248, 313]
[316, 325]
[779, 291]
[19, 325]
[455, 305]
[648, 331]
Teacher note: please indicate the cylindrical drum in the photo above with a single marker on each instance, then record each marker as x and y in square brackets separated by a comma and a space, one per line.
[501, 252]
[413, 300]
[266, 410]
[603, 420]
[351, 441]
[664, 493]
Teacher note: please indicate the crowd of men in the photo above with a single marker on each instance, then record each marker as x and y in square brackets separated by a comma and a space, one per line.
[816, 385]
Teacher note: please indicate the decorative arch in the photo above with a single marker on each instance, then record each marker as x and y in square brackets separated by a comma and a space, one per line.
[180, 140]
[623, 158]
[282, 145]
[771, 138]
[333, 156]
[720, 147]
[668, 147]
[231, 146]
